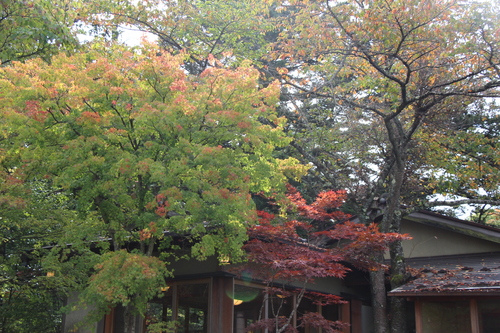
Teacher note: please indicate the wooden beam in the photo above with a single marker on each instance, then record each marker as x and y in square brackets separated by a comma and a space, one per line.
[356, 316]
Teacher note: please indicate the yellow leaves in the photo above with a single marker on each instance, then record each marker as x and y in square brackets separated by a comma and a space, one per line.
[292, 169]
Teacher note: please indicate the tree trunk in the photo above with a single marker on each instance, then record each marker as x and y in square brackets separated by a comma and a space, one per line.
[398, 267]
[398, 278]
[379, 300]
[129, 320]
[391, 222]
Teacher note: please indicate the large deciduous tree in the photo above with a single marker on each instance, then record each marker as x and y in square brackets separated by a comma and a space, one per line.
[199, 28]
[141, 150]
[386, 71]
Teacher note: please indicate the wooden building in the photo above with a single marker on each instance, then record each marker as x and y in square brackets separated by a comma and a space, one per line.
[457, 288]
[204, 297]
[457, 267]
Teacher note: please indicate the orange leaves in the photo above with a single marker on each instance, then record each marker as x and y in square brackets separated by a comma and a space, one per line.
[33, 110]
[88, 116]
[325, 207]
[147, 233]
[179, 85]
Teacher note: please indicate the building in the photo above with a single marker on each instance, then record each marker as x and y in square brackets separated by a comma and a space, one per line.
[457, 268]
[456, 289]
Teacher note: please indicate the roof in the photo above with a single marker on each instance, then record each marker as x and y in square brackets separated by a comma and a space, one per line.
[472, 275]
[473, 229]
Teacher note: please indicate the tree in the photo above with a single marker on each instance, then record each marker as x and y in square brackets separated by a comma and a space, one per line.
[198, 28]
[31, 216]
[384, 69]
[144, 151]
[470, 142]
[299, 251]
[35, 28]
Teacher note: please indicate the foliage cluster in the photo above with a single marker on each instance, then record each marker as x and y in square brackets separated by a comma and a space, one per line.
[283, 252]
[106, 147]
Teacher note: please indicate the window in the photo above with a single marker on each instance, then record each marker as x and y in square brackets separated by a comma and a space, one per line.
[441, 317]
[489, 315]
[183, 303]
[251, 305]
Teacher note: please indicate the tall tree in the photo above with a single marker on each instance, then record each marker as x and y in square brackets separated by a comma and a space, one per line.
[143, 150]
[385, 69]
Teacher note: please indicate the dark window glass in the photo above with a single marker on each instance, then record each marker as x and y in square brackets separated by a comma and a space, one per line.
[489, 316]
[439, 317]
[306, 306]
[192, 312]
[184, 304]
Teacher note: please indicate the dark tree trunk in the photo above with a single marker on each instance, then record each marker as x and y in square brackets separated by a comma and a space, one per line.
[398, 278]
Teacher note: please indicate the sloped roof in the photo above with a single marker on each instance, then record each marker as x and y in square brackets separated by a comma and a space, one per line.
[473, 229]
[472, 275]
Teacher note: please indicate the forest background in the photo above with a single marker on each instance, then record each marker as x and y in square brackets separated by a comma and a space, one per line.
[392, 102]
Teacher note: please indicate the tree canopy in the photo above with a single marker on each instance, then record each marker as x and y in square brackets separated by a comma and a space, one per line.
[141, 150]
[394, 102]
[35, 28]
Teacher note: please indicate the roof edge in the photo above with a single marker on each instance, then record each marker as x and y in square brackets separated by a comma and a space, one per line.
[453, 224]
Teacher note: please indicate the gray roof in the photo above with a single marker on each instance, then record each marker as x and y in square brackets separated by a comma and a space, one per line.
[474, 274]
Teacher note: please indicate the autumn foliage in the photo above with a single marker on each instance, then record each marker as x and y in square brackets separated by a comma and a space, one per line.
[294, 251]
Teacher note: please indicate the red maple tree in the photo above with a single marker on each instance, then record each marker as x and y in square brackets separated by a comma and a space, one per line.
[283, 252]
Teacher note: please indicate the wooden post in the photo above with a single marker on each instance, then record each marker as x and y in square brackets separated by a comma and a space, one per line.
[418, 316]
[109, 322]
[474, 316]
[356, 320]
[345, 315]
[222, 307]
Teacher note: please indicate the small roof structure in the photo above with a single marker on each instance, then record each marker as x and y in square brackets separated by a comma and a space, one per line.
[462, 275]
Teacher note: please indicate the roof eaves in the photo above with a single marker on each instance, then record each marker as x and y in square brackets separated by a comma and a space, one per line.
[453, 224]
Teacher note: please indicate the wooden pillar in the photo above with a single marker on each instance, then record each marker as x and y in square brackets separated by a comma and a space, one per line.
[109, 321]
[221, 305]
[345, 315]
[356, 317]
[474, 316]
[418, 316]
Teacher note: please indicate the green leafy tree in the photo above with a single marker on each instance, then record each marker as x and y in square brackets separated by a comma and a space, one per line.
[35, 28]
[31, 216]
[143, 150]
[464, 147]
[232, 31]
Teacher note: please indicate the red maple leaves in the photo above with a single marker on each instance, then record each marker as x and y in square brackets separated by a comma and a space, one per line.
[295, 251]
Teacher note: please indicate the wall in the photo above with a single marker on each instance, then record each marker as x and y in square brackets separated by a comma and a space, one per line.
[432, 241]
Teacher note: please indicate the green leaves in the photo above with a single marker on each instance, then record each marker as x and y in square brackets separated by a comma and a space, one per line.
[124, 278]
[36, 28]
[139, 149]
[232, 31]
